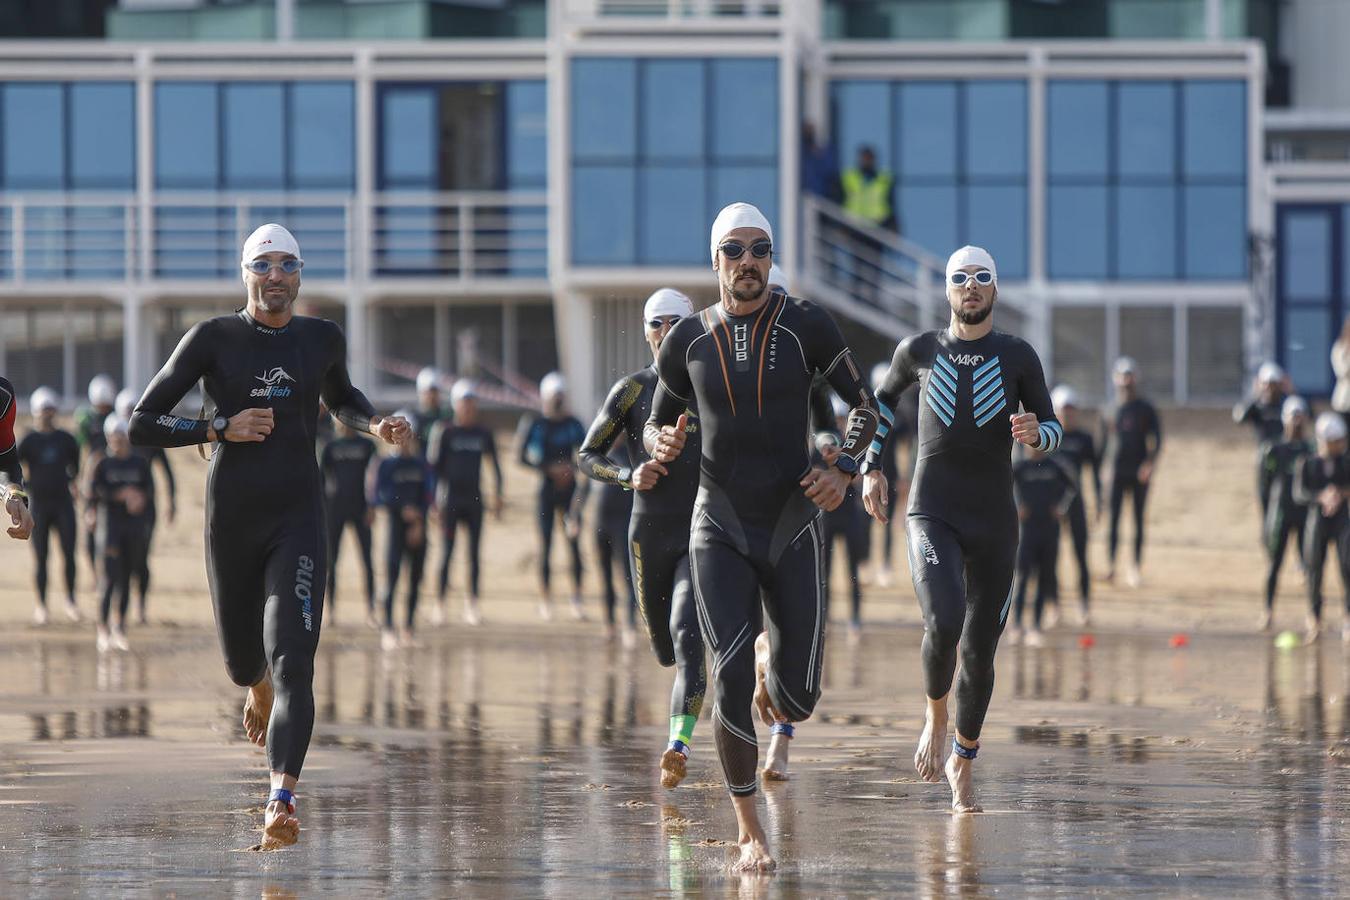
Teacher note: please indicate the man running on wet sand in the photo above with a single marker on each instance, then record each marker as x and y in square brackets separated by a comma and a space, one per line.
[962, 517]
[264, 369]
[746, 364]
[15, 497]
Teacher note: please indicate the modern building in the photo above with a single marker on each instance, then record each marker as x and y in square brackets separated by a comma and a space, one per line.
[494, 186]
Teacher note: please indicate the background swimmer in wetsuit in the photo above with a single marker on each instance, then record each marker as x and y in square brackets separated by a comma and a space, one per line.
[52, 458]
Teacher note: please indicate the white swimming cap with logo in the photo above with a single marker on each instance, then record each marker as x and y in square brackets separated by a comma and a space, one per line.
[125, 402]
[737, 215]
[463, 389]
[1063, 396]
[971, 256]
[102, 390]
[777, 277]
[43, 398]
[1330, 427]
[1294, 405]
[552, 385]
[269, 238]
[667, 302]
[428, 379]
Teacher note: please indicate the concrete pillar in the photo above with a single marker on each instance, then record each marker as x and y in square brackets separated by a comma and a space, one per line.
[573, 317]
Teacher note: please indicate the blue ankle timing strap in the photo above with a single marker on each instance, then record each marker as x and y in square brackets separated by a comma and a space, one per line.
[680, 747]
[963, 751]
[783, 728]
[284, 796]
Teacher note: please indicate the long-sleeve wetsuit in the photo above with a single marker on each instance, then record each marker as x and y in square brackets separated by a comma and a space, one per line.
[1286, 515]
[9, 446]
[53, 461]
[962, 517]
[122, 534]
[153, 456]
[458, 463]
[550, 445]
[404, 486]
[266, 552]
[754, 530]
[1077, 451]
[1313, 475]
[344, 463]
[1136, 435]
[1043, 490]
[1267, 424]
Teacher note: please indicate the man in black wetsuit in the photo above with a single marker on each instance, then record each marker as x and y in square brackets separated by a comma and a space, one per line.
[459, 448]
[429, 415]
[15, 497]
[1263, 414]
[1136, 436]
[746, 364]
[120, 489]
[1322, 484]
[962, 517]
[264, 369]
[52, 458]
[344, 463]
[1078, 450]
[404, 486]
[1043, 489]
[1285, 514]
[658, 532]
[123, 406]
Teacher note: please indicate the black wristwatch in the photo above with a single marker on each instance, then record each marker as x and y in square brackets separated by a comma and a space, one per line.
[218, 425]
[846, 464]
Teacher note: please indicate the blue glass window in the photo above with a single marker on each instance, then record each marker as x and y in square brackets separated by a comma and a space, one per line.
[1216, 232]
[1307, 349]
[997, 217]
[604, 109]
[1215, 117]
[1145, 233]
[1146, 125]
[674, 219]
[1077, 232]
[102, 136]
[673, 98]
[526, 135]
[322, 131]
[757, 185]
[255, 145]
[926, 133]
[996, 129]
[928, 215]
[744, 114]
[604, 207]
[408, 138]
[1306, 255]
[187, 135]
[33, 129]
[859, 122]
[1079, 137]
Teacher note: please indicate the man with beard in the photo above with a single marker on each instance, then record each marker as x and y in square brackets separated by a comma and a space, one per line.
[264, 369]
[962, 517]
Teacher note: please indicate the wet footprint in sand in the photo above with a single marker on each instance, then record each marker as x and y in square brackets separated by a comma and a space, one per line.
[713, 842]
[636, 804]
[592, 786]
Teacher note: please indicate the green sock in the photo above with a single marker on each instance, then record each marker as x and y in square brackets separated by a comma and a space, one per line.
[682, 729]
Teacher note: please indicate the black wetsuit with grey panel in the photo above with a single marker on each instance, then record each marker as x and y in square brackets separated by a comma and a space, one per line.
[754, 529]
[266, 548]
[963, 524]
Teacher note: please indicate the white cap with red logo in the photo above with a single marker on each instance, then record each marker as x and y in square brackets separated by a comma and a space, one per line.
[269, 238]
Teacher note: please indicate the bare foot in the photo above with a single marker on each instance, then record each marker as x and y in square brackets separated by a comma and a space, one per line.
[961, 777]
[755, 856]
[674, 766]
[578, 611]
[281, 827]
[1313, 631]
[471, 614]
[932, 748]
[776, 763]
[257, 711]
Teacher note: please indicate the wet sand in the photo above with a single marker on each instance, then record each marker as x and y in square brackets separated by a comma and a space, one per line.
[519, 759]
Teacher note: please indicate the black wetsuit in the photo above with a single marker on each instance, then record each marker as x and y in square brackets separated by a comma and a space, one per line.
[266, 548]
[1285, 515]
[424, 422]
[122, 536]
[613, 509]
[552, 444]
[9, 447]
[1313, 475]
[89, 432]
[1137, 439]
[1044, 490]
[962, 517]
[458, 464]
[1265, 419]
[344, 464]
[658, 532]
[404, 486]
[152, 455]
[1077, 450]
[53, 461]
[848, 522]
[754, 529]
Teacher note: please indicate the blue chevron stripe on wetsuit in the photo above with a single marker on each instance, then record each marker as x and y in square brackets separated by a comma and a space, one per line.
[266, 553]
[754, 529]
[962, 517]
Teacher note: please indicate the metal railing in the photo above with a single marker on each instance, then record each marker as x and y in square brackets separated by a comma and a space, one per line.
[672, 9]
[54, 238]
[868, 273]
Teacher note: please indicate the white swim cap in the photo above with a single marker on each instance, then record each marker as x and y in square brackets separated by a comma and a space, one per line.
[667, 302]
[1125, 365]
[114, 424]
[971, 256]
[1294, 405]
[737, 215]
[1330, 427]
[778, 278]
[1269, 373]
[102, 390]
[125, 402]
[1063, 396]
[879, 374]
[552, 385]
[269, 238]
[43, 398]
[464, 389]
[428, 379]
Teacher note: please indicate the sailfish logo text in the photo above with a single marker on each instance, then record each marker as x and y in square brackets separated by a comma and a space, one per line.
[273, 379]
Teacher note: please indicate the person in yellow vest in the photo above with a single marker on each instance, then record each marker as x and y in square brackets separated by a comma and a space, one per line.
[867, 190]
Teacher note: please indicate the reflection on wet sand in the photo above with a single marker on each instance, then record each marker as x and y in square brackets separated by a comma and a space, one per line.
[525, 764]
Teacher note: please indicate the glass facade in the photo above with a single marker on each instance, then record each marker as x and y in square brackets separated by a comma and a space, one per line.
[658, 146]
[60, 136]
[1147, 180]
[1312, 289]
[958, 151]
